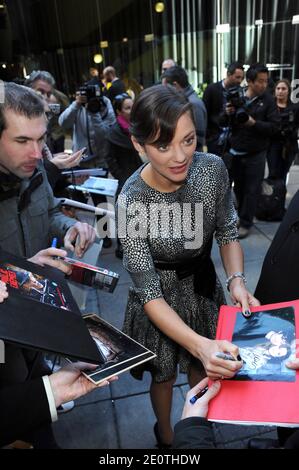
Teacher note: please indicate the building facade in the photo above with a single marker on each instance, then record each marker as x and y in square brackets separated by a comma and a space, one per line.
[66, 36]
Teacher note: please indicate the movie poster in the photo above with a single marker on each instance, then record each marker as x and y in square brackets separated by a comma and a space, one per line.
[34, 286]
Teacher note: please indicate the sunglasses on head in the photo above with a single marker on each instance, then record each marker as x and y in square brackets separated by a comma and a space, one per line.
[122, 96]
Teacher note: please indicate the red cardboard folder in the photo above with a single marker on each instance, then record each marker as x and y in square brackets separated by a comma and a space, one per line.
[268, 398]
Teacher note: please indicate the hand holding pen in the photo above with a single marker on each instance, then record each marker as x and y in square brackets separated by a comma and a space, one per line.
[197, 399]
[220, 355]
[52, 257]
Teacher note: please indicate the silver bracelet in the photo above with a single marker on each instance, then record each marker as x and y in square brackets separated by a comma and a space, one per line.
[234, 276]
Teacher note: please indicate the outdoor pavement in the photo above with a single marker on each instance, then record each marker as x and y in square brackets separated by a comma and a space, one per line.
[120, 416]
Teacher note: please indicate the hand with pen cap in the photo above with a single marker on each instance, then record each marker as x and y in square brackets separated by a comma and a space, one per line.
[199, 407]
[81, 235]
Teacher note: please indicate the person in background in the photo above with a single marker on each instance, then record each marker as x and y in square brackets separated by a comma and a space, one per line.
[177, 77]
[90, 121]
[284, 145]
[250, 140]
[94, 77]
[113, 85]
[122, 158]
[214, 99]
[58, 102]
[43, 83]
[166, 64]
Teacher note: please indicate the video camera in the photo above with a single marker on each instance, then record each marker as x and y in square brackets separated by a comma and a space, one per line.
[94, 96]
[235, 96]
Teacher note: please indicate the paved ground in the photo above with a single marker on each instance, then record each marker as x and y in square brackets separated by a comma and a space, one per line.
[120, 416]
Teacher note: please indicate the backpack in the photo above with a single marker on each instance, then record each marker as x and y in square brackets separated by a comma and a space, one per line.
[270, 204]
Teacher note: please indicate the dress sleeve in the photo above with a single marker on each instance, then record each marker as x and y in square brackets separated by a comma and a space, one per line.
[226, 216]
[132, 231]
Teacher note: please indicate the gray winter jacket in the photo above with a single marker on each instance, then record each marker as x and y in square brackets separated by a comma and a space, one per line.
[97, 127]
[26, 228]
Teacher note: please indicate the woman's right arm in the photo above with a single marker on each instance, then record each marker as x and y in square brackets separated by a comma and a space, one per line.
[204, 349]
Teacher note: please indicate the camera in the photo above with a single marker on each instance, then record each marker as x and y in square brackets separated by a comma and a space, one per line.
[235, 96]
[54, 108]
[94, 97]
[287, 124]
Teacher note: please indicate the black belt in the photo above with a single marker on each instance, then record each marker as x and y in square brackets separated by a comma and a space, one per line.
[201, 267]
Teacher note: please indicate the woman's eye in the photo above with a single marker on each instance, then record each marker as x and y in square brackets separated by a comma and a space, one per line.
[189, 141]
[163, 148]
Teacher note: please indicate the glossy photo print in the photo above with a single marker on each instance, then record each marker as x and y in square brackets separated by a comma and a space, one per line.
[34, 286]
[266, 342]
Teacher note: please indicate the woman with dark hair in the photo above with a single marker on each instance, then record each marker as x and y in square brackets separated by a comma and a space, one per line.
[284, 145]
[122, 158]
[168, 212]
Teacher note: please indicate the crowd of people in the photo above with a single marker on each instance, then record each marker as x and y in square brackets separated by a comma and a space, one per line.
[154, 144]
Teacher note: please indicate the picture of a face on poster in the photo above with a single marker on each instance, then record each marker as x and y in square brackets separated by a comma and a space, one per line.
[266, 342]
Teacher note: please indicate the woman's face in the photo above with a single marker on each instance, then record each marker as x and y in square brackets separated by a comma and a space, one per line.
[277, 339]
[172, 161]
[281, 91]
[278, 351]
[126, 109]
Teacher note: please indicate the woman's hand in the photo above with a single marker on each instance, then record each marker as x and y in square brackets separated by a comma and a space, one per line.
[217, 368]
[241, 297]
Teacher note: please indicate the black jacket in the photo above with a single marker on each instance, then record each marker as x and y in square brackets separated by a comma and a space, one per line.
[288, 129]
[24, 409]
[122, 158]
[214, 100]
[193, 433]
[197, 433]
[280, 272]
[256, 138]
[117, 87]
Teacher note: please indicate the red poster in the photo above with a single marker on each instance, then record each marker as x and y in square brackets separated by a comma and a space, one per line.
[264, 391]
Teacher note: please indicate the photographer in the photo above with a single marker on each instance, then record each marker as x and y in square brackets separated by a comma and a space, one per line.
[214, 99]
[90, 116]
[254, 120]
[284, 145]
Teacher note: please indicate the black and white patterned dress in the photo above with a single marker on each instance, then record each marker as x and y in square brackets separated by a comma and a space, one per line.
[206, 183]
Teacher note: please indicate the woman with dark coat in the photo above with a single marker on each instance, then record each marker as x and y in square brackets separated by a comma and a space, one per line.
[123, 160]
[284, 145]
